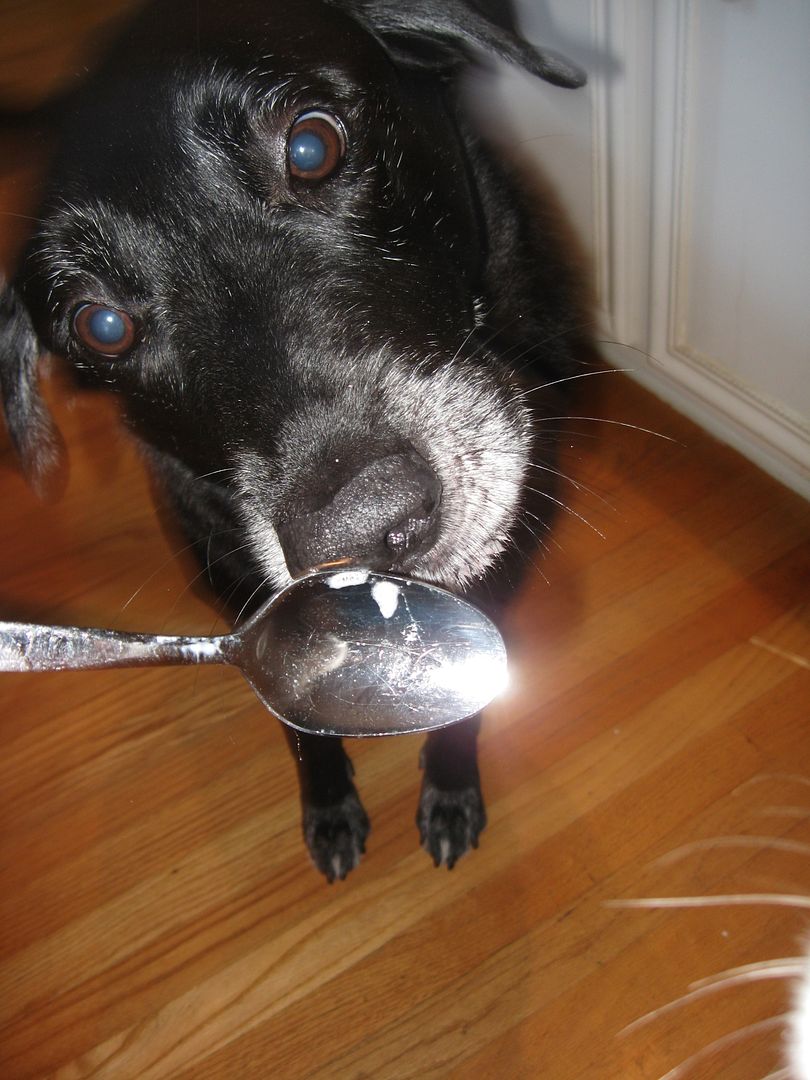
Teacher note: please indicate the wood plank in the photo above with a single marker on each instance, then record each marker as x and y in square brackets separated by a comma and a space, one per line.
[158, 916]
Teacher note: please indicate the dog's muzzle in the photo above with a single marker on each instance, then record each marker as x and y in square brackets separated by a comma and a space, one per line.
[384, 516]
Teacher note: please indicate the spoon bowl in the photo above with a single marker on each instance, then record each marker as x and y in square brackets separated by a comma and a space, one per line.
[346, 652]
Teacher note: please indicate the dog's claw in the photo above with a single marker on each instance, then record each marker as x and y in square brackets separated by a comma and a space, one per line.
[450, 822]
[336, 836]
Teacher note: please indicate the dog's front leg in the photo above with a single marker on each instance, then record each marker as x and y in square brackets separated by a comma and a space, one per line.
[334, 821]
[451, 812]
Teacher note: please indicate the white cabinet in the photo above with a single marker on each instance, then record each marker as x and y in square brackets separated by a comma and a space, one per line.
[685, 166]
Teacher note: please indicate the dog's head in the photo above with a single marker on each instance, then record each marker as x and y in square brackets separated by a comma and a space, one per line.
[265, 232]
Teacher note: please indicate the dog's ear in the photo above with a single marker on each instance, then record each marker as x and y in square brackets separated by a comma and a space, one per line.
[33, 434]
[446, 32]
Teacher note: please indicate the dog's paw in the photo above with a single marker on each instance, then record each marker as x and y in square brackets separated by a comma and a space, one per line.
[336, 835]
[450, 822]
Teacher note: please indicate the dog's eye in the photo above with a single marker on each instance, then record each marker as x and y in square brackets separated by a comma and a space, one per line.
[103, 329]
[315, 146]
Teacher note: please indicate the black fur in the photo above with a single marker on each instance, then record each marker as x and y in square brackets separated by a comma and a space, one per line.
[321, 368]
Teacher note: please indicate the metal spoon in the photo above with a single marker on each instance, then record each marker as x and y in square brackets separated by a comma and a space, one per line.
[347, 652]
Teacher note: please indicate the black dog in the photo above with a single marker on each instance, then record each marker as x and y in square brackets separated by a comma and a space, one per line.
[270, 229]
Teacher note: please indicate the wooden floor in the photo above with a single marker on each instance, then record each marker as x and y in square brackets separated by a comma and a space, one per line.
[159, 918]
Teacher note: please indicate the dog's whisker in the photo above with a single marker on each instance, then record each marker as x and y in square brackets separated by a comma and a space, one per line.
[779, 777]
[798, 812]
[533, 533]
[793, 658]
[569, 510]
[785, 968]
[794, 847]
[262, 585]
[206, 570]
[564, 331]
[208, 559]
[625, 345]
[539, 523]
[492, 335]
[540, 138]
[617, 423]
[539, 422]
[526, 348]
[528, 343]
[653, 903]
[21, 217]
[580, 375]
[723, 1043]
[228, 595]
[577, 484]
[529, 558]
[459, 351]
[226, 598]
[214, 472]
[167, 562]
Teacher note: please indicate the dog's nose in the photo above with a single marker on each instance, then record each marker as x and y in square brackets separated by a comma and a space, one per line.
[381, 517]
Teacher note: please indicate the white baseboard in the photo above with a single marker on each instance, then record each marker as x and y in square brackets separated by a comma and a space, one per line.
[764, 433]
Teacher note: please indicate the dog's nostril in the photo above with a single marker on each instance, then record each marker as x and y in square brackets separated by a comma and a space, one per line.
[382, 516]
[407, 535]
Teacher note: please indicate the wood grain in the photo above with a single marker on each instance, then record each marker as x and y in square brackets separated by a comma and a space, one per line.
[159, 918]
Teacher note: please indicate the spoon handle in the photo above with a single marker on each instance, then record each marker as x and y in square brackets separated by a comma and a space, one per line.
[28, 647]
